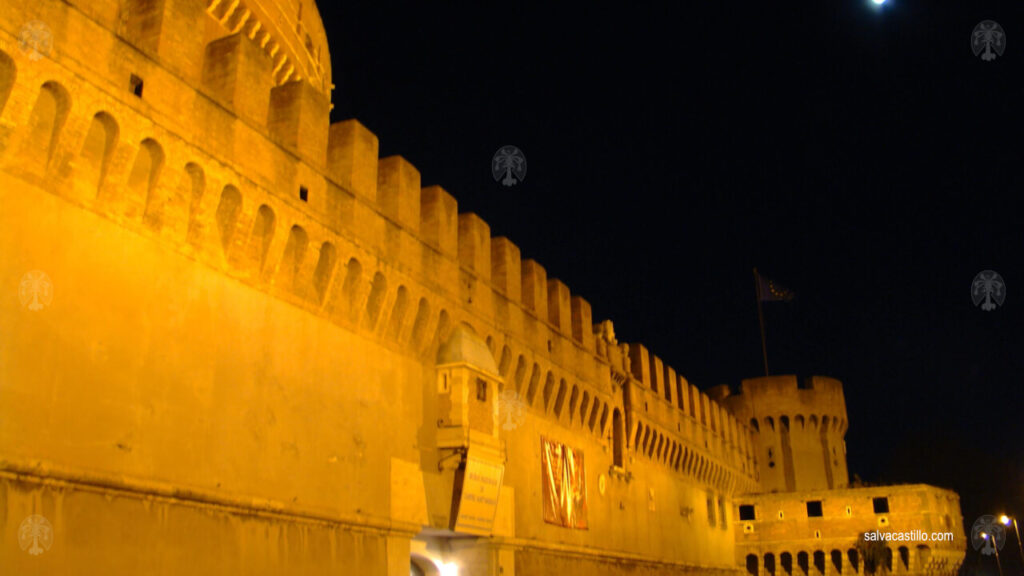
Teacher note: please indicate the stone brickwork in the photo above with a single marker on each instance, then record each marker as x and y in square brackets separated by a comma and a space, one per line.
[240, 364]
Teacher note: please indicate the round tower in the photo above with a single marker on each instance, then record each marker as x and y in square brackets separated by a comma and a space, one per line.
[797, 428]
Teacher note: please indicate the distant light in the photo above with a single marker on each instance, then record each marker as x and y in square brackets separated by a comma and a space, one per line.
[449, 569]
[984, 535]
[1005, 519]
[878, 2]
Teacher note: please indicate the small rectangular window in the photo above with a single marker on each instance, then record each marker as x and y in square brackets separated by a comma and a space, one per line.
[304, 194]
[711, 510]
[881, 505]
[721, 513]
[135, 85]
[747, 512]
[481, 390]
[814, 509]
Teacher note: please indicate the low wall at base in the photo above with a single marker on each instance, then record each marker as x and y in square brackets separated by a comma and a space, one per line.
[95, 530]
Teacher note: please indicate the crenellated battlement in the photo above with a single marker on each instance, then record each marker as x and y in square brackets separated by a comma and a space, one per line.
[256, 183]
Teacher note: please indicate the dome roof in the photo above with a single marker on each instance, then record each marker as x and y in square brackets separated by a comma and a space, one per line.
[464, 346]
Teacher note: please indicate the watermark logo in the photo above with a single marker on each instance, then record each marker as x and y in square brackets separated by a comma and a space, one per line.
[508, 165]
[988, 40]
[35, 40]
[35, 290]
[35, 535]
[988, 290]
[987, 535]
[511, 409]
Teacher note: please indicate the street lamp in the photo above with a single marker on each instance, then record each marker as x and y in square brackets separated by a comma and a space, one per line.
[995, 546]
[1006, 520]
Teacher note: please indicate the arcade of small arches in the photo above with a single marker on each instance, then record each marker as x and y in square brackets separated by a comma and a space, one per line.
[901, 560]
[660, 447]
[827, 423]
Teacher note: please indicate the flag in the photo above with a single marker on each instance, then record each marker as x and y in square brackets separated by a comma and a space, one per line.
[768, 291]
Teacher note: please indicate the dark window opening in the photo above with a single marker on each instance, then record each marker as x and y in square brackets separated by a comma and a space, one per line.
[303, 193]
[747, 512]
[136, 85]
[481, 390]
[881, 505]
[814, 509]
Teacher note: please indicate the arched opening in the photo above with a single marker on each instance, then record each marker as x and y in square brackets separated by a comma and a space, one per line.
[924, 556]
[324, 270]
[398, 313]
[228, 209]
[260, 237]
[419, 325]
[350, 288]
[97, 150]
[531, 392]
[752, 564]
[549, 389]
[574, 402]
[786, 560]
[819, 561]
[8, 74]
[904, 558]
[294, 254]
[143, 180]
[584, 405]
[506, 361]
[837, 561]
[769, 564]
[378, 289]
[191, 188]
[520, 373]
[854, 559]
[803, 561]
[560, 398]
[45, 124]
[444, 322]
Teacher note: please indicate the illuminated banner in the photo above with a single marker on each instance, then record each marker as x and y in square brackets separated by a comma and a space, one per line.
[565, 485]
[478, 500]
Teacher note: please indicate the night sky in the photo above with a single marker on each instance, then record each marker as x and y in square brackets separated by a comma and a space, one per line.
[866, 159]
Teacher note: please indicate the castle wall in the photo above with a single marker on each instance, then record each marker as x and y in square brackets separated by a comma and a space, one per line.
[784, 534]
[250, 374]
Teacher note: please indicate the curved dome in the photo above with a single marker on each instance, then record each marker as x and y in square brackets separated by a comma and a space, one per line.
[464, 346]
[290, 31]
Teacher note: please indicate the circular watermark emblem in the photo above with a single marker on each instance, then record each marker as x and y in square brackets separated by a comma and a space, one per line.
[35, 40]
[508, 166]
[988, 290]
[988, 40]
[511, 409]
[987, 535]
[35, 290]
[35, 535]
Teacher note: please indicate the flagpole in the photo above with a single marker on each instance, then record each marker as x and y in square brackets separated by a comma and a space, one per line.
[760, 319]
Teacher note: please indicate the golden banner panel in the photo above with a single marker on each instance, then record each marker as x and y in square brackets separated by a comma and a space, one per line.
[565, 485]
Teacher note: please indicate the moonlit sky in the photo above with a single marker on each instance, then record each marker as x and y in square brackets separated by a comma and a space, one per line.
[859, 155]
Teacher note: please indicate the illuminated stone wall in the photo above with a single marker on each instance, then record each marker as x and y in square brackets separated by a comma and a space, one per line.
[786, 532]
[235, 341]
[236, 369]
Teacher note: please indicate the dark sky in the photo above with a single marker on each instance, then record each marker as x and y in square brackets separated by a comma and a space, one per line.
[864, 158]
